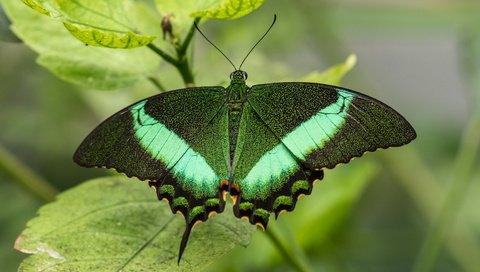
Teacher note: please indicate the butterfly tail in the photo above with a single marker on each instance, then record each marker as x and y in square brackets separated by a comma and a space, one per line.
[183, 243]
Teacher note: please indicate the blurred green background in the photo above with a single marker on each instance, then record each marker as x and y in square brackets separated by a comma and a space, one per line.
[420, 57]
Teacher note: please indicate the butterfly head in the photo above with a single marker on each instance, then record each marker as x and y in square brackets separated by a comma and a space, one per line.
[238, 76]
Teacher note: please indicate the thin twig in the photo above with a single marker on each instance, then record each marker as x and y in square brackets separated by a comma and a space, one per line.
[182, 49]
[25, 176]
[163, 54]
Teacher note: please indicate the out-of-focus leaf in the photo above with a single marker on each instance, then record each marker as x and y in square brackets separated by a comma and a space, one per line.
[229, 9]
[117, 224]
[71, 60]
[6, 34]
[183, 12]
[334, 74]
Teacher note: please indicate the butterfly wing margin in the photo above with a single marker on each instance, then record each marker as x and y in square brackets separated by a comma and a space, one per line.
[325, 125]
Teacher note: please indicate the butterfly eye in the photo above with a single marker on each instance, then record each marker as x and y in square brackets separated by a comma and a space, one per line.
[244, 75]
[232, 75]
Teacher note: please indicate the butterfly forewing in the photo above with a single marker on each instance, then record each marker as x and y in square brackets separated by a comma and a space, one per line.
[324, 125]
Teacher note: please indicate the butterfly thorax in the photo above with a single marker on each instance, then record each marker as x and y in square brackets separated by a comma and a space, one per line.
[236, 94]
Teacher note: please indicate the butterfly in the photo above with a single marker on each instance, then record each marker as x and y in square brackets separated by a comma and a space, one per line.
[265, 145]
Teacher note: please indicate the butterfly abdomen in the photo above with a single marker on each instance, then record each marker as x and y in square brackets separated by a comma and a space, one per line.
[236, 93]
[234, 117]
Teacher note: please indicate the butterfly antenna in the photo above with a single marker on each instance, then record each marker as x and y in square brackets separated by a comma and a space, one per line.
[266, 32]
[196, 26]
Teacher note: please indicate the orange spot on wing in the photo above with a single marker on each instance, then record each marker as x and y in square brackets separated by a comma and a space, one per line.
[260, 225]
[281, 212]
[196, 223]
[223, 183]
[234, 199]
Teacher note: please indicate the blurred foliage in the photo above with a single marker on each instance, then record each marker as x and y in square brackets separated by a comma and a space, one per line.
[399, 193]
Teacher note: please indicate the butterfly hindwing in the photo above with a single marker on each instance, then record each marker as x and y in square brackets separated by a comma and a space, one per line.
[267, 176]
[178, 141]
[324, 125]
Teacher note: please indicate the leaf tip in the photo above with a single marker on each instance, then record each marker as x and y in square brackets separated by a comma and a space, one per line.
[351, 60]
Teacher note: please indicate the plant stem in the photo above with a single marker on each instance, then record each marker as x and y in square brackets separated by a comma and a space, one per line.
[289, 256]
[460, 181]
[163, 54]
[22, 174]
[186, 73]
[182, 50]
[182, 63]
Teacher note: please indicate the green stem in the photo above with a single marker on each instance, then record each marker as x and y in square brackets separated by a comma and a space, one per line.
[460, 181]
[182, 62]
[186, 72]
[22, 174]
[291, 257]
[182, 50]
[163, 54]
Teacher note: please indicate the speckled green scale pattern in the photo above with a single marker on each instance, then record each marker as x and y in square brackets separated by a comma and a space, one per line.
[265, 145]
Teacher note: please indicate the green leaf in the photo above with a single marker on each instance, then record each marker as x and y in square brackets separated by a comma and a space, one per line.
[108, 23]
[117, 223]
[228, 9]
[71, 60]
[334, 74]
[108, 39]
[183, 12]
[37, 6]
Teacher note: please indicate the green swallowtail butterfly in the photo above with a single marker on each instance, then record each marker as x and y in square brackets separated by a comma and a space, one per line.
[265, 145]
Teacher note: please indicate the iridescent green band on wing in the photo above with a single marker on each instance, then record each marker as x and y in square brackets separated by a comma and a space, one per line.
[274, 167]
[186, 165]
